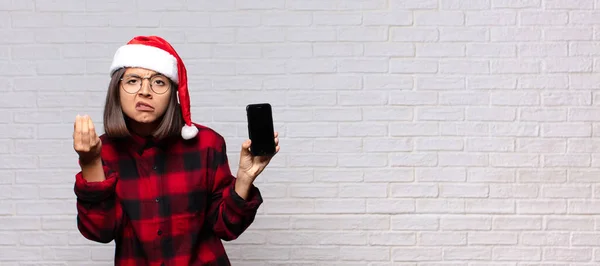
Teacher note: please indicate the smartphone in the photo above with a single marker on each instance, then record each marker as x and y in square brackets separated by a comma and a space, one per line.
[260, 129]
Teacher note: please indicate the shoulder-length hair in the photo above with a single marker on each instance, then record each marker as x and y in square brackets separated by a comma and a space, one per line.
[115, 120]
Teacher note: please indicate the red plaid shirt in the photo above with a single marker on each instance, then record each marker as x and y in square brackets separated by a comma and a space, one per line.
[165, 203]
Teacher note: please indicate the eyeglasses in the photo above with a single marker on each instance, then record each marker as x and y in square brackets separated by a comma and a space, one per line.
[159, 84]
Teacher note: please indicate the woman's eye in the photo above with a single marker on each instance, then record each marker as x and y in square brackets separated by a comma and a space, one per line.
[159, 82]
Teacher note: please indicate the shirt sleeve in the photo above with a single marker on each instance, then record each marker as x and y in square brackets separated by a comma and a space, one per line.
[95, 191]
[231, 214]
[97, 211]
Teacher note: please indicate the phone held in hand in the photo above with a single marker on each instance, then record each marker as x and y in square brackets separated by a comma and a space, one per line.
[260, 129]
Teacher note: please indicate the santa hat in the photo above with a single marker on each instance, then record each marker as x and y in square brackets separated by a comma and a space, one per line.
[155, 53]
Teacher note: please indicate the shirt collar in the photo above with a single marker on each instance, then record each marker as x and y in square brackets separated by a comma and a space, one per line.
[139, 143]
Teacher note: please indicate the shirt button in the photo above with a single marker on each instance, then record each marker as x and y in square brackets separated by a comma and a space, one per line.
[154, 167]
[159, 232]
[157, 200]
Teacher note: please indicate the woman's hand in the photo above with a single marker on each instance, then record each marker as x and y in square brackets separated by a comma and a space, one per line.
[251, 166]
[86, 142]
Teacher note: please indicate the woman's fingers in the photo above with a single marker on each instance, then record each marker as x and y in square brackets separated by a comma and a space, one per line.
[75, 130]
[85, 132]
[92, 132]
[78, 141]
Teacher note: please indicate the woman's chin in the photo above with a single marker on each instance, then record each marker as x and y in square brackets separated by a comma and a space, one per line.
[144, 118]
[146, 121]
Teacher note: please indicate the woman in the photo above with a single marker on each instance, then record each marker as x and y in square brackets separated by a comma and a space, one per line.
[156, 183]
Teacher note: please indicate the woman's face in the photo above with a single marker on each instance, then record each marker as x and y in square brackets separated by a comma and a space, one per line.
[144, 95]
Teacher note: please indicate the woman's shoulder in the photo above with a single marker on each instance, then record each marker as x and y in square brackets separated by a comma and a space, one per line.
[108, 142]
[207, 137]
[206, 131]
[112, 148]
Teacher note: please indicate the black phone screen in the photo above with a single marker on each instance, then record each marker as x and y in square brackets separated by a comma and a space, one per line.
[260, 129]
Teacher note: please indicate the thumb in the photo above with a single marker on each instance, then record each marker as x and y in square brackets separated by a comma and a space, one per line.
[246, 147]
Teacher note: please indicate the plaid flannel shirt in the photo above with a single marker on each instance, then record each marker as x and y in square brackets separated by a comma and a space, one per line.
[165, 203]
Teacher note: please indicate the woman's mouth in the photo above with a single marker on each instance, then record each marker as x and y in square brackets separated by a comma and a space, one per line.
[142, 106]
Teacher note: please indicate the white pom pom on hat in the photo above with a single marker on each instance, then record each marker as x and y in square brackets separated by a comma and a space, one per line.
[155, 53]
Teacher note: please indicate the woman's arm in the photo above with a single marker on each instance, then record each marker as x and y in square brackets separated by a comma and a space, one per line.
[97, 211]
[229, 212]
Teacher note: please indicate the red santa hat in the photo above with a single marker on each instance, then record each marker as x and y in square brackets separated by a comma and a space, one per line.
[155, 53]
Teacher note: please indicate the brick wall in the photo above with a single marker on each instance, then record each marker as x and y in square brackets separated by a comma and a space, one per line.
[413, 132]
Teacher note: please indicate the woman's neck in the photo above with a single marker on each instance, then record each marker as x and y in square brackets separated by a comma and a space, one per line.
[142, 129]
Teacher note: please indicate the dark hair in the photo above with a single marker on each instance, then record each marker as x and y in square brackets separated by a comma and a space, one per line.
[115, 121]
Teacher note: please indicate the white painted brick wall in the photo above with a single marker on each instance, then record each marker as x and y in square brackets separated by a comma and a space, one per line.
[414, 132]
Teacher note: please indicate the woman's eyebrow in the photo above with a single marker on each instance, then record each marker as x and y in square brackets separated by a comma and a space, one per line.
[151, 76]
